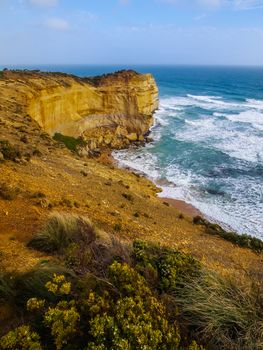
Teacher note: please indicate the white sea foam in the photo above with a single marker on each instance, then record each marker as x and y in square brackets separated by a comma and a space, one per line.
[252, 103]
[238, 144]
[252, 117]
[217, 127]
[210, 99]
[216, 114]
[209, 102]
[237, 215]
[204, 123]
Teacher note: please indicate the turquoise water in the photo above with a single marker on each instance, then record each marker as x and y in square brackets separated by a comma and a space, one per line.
[208, 140]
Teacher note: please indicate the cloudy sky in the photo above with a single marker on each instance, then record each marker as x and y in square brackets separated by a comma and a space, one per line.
[131, 32]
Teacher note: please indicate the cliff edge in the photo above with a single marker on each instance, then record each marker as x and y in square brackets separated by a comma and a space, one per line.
[107, 111]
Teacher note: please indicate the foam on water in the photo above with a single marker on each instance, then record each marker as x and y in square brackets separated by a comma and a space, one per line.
[188, 130]
[255, 118]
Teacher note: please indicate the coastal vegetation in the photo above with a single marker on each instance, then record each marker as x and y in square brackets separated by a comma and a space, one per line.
[70, 142]
[9, 151]
[106, 294]
[242, 240]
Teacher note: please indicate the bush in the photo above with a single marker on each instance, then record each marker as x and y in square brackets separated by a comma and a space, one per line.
[61, 230]
[8, 193]
[70, 142]
[62, 320]
[223, 313]
[9, 151]
[129, 317]
[21, 338]
[127, 196]
[163, 267]
[244, 241]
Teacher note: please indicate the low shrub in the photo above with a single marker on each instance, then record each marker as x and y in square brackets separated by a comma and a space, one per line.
[36, 152]
[22, 338]
[71, 143]
[127, 196]
[244, 240]
[130, 317]
[10, 152]
[7, 192]
[135, 319]
[165, 268]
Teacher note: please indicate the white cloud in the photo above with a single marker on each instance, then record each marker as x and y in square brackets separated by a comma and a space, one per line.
[248, 4]
[215, 4]
[44, 3]
[56, 23]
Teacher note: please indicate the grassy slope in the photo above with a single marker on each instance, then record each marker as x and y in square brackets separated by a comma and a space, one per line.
[115, 199]
[100, 194]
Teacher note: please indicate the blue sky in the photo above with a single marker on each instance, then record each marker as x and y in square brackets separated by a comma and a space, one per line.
[131, 32]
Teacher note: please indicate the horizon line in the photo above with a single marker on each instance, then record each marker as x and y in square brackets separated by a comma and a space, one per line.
[3, 66]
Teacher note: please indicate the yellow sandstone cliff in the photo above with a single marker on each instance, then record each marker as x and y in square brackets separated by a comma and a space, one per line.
[112, 110]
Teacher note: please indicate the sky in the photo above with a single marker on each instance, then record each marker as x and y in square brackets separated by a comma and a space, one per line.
[195, 32]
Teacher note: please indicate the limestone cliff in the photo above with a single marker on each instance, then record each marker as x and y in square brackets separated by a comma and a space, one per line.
[112, 110]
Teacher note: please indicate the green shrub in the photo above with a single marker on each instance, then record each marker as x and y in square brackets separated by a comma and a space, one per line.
[223, 313]
[61, 230]
[70, 142]
[128, 316]
[164, 267]
[62, 320]
[21, 338]
[134, 319]
[244, 241]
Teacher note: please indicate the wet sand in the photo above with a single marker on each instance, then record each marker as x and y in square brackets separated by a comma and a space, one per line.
[182, 206]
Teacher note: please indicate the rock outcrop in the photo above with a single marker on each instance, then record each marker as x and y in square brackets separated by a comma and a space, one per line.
[108, 111]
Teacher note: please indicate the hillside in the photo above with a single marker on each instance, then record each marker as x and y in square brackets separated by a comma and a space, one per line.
[40, 176]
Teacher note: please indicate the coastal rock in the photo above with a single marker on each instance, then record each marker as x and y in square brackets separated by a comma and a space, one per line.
[122, 103]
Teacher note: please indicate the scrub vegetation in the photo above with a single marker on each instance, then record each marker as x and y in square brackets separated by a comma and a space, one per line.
[106, 294]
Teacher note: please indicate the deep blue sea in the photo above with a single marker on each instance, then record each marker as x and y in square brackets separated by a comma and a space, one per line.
[208, 140]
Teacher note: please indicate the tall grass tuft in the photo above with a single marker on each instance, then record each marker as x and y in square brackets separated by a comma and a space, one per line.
[7, 291]
[32, 283]
[61, 230]
[226, 315]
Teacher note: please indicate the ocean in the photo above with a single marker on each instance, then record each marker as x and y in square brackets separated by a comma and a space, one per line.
[208, 140]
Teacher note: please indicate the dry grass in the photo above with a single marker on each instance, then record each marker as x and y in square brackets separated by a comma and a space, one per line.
[223, 312]
[61, 230]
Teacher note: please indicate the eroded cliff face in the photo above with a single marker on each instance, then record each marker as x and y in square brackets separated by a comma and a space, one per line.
[108, 111]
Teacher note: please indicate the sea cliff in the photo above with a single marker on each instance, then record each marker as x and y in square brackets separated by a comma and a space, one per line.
[108, 111]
